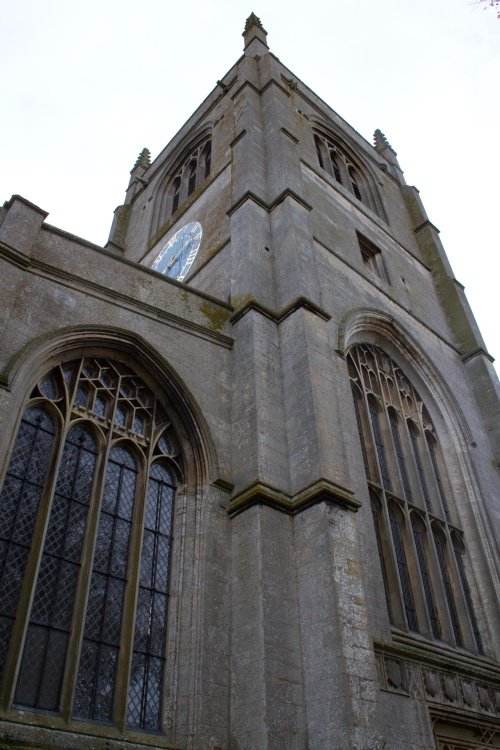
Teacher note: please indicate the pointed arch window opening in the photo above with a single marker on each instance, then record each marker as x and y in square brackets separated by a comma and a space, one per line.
[333, 158]
[195, 168]
[397, 434]
[71, 613]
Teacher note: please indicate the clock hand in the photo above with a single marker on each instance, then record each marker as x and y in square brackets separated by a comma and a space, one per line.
[169, 266]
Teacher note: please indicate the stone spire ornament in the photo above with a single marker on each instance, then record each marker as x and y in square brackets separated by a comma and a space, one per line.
[251, 21]
[143, 160]
[380, 141]
[255, 37]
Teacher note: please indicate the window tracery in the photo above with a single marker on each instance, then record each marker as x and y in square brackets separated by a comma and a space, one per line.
[86, 514]
[337, 162]
[421, 548]
[194, 169]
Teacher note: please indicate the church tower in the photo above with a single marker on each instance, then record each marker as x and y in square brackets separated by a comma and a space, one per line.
[250, 452]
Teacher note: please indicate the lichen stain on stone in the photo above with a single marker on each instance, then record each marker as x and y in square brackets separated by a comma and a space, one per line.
[239, 302]
[217, 316]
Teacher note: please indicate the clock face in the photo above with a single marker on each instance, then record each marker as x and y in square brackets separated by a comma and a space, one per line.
[177, 257]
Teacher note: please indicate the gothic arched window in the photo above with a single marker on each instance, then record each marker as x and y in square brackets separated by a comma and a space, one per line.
[192, 169]
[86, 513]
[188, 176]
[421, 549]
[176, 193]
[337, 162]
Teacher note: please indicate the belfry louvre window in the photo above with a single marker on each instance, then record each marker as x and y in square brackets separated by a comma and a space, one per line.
[421, 548]
[86, 515]
[372, 258]
[195, 168]
[336, 161]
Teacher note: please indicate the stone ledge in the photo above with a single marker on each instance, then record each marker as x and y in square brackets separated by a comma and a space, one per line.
[279, 315]
[37, 732]
[479, 352]
[249, 195]
[323, 490]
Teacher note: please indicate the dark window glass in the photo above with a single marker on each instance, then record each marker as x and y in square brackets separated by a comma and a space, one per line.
[318, 151]
[42, 667]
[101, 638]
[404, 575]
[442, 495]
[379, 444]
[424, 572]
[69, 592]
[148, 659]
[399, 453]
[19, 504]
[176, 194]
[192, 177]
[335, 166]
[207, 155]
[448, 590]
[354, 183]
[468, 598]
[418, 461]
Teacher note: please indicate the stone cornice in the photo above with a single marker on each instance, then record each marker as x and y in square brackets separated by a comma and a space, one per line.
[249, 195]
[323, 490]
[279, 315]
[479, 352]
[436, 655]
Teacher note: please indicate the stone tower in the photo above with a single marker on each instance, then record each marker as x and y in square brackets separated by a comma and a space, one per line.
[250, 452]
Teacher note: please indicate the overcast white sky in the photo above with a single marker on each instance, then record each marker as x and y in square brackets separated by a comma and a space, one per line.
[85, 85]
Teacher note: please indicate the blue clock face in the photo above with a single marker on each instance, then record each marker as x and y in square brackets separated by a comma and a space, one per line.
[178, 255]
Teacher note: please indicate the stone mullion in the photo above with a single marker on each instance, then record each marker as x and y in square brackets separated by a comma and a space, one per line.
[460, 601]
[394, 583]
[415, 576]
[405, 441]
[441, 601]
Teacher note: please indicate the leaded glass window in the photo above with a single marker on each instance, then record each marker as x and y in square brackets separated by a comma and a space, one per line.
[86, 516]
[422, 566]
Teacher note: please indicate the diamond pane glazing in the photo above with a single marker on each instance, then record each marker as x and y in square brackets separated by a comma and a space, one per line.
[55, 590]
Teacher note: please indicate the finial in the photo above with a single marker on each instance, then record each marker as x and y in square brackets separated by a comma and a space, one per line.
[253, 20]
[381, 142]
[144, 159]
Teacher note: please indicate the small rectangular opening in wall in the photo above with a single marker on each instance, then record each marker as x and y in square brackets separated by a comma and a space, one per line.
[373, 258]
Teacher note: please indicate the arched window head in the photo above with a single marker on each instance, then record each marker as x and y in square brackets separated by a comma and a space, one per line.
[355, 182]
[192, 169]
[335, 158]
[319, 151]
[207, 158]
[86, 533]
[176, 193]
[426, 583]
[189, 173]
